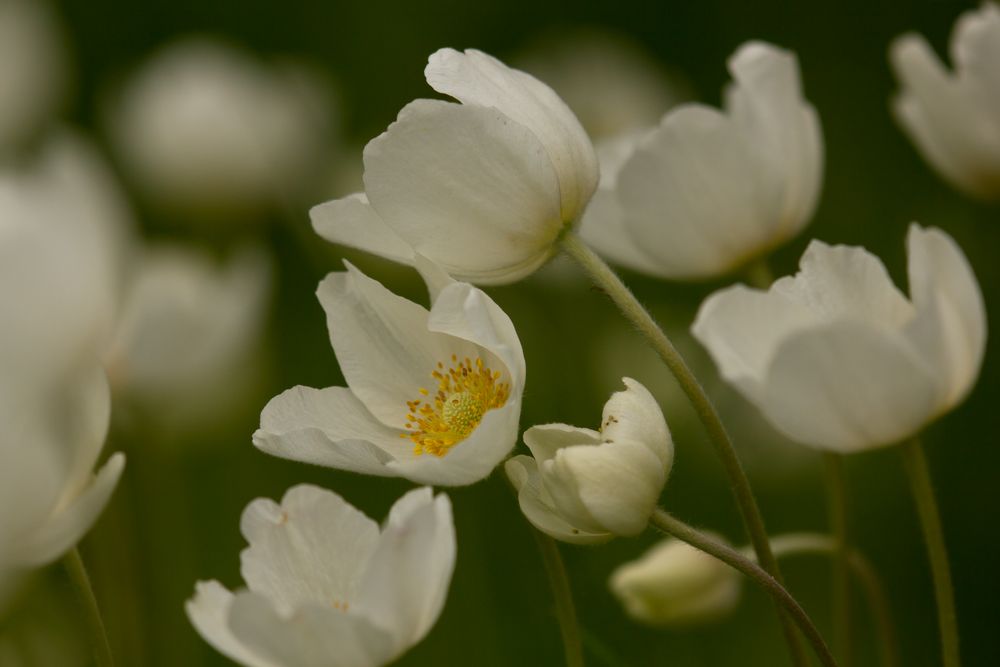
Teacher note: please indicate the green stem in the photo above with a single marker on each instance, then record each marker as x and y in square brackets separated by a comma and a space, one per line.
[930, 519]
[563, 595]
[871, 585]
[609, 281]
[682, 531]
[88, 604]
[841, 595]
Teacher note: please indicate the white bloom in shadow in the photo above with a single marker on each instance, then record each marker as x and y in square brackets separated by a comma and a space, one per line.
[584, 486]
[954, 117]
[483, 188]
[432, 396]
[326, 587]
[708, 191]
[836, 357]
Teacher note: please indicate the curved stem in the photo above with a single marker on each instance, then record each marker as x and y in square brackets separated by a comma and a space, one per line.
[682, 531]
[565, 611]
[609, 281]
[841, 595]
[88, 604]
[930, 521]
[878, 602]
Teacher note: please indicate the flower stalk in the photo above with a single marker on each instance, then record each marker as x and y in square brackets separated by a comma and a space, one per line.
[630, 307]
[88, 605]
[569, 628]
[918, 473]
[670, 525]
[841, 594]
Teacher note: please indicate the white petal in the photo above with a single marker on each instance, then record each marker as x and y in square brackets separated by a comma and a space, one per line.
[975, 47]
[208, 611]
[328, 427]
[475, 78]
[87, 402]
[633, 414]
[351, 221]
[407, 580]
[434, 276]
[467, 187]
[311, 636]
[313, 547]
[545, 440]
[603, 228]
[848, 386]
[689, 195]
[950, 327]
[523, 474]
[381, 340]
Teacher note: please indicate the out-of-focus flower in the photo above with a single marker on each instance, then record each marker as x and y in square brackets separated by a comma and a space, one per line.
[32, 69]
[187, 326]
[609, 81]
[954, 117]
[326, 587]
[483, 188]
[708, 191]
[837, 358]
[432, 396]
[675, 584]
[207, 130]
[586, 486]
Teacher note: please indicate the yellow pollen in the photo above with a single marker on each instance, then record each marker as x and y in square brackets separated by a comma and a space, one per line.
[465, 392]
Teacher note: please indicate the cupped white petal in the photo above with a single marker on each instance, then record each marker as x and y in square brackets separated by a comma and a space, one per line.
[208, 611]
[545, 440]
[975, 50]
[406, 583]
[949, 329]
[352, 221]
[467, 187]
[848, 386]
[328, 427]
[83, 427]
[523, 474]
[312, 548]
[476, 78]
[633, 414]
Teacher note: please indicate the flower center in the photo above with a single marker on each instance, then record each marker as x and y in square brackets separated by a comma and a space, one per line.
[465, 391]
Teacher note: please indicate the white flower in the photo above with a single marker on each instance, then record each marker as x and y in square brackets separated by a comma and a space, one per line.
[954, 117]
[483, 188]
[707, 191]
[326, 587]
[432, 396]
[585, 486]
[32, 69]
[187, 326]
[205, 128]
[675, 584]
[837, 358]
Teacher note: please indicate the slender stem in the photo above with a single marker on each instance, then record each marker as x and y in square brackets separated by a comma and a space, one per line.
[841, 595]
[565, 611]
[930, 519]
[878, 601]
[682, 531]
[88, 604]
[605, 278]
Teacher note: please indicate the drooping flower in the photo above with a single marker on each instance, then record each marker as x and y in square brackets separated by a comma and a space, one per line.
[483, 188]
[584, 486]
[326, 587]
[432, 396]
[675, 584]
[707, 191]
[953, 117]
[836, 357]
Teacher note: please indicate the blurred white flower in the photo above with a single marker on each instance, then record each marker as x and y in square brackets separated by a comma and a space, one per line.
[326, 587]
[706, 192]
[483, 188]
[207, 129]
[675, 584]
[432, 396]
[188, 324]
[32, 69]
[586, 486]
[837, 358]
[954, 117]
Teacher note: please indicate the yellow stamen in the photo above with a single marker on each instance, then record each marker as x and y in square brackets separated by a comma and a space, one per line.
[465, 392]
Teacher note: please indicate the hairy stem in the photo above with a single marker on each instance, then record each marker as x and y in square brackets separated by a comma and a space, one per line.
[88, 605]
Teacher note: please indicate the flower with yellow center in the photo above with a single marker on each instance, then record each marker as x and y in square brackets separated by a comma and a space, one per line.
[432, 395]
